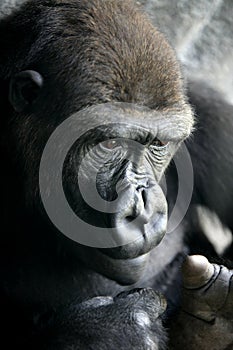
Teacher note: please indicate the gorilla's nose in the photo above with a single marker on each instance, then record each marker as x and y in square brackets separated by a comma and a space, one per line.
[142, 215]
[138, 207]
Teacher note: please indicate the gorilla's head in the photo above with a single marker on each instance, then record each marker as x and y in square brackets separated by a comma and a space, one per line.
[96, 79]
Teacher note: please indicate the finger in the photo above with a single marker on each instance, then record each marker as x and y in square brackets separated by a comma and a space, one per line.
[196, 271]
[207, 288]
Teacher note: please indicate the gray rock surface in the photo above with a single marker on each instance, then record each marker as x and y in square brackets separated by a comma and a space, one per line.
[200, 31]
[7, 6]
[202, 34]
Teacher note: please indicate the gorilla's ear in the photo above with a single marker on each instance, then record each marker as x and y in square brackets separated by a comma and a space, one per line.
[24, 89]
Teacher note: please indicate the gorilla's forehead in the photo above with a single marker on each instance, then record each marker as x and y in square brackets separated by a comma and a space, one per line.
[173, 125]
[109, 50]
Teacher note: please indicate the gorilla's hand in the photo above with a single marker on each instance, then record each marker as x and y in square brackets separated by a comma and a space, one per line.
[131, 320]
[207, 307]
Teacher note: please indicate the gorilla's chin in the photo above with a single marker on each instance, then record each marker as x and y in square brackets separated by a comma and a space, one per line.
[123, 271]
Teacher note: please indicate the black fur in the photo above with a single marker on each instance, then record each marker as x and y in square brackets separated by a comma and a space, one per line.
[86, 53]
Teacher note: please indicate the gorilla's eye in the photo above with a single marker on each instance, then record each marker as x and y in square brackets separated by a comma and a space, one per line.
[110, 144]
[158, 143]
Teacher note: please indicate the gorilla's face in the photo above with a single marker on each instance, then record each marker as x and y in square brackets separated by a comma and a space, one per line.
[111, 180]
[131, 116]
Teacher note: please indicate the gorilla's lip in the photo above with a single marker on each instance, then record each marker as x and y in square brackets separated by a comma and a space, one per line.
[139, 247]
[151, 235]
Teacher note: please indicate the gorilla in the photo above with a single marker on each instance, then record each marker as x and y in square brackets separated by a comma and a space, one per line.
[96, 79]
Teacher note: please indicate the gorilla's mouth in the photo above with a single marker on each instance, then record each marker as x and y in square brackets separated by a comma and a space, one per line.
[152, 234]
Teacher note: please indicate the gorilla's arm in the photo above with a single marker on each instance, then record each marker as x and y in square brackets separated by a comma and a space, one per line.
[206, 318]
[131, 320]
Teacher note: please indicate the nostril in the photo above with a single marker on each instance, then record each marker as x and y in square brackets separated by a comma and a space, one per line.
[141, 189]
[144, 197]
[130, 218]
[139, 205]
